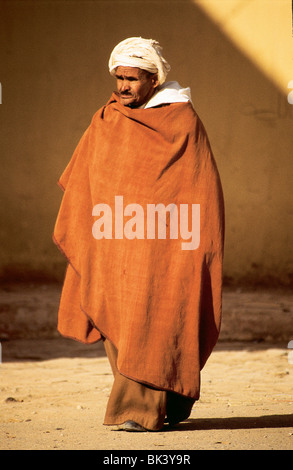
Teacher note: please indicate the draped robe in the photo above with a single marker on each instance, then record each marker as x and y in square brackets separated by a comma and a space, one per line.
[159, 304]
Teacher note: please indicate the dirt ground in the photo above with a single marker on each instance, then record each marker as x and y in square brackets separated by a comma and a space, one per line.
[53, 394]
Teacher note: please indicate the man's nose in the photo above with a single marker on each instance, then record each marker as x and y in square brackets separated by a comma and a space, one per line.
[125, 85]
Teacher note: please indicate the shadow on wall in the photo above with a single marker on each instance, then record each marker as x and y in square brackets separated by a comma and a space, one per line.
[56, 77]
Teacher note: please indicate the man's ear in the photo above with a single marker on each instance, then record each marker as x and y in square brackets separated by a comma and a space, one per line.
[155, 80]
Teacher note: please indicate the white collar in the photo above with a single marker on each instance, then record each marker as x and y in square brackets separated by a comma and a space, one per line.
[169, 92]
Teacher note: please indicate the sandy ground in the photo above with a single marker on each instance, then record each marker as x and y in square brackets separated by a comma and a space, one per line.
[54, 391]
[54, 397]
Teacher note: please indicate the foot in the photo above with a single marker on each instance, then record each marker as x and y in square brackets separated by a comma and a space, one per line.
[174, 421]
[132, 426]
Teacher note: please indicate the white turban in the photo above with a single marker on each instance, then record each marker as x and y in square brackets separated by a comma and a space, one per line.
[141, 53]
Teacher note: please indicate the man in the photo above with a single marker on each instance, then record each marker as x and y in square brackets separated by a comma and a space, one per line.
[142, 226]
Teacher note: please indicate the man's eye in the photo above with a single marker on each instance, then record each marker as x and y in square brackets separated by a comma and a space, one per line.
[126, 79]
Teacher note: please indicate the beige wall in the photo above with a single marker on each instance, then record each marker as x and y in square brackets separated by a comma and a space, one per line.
[54, 76]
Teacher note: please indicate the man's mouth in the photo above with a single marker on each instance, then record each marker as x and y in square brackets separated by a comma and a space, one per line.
[125, 95]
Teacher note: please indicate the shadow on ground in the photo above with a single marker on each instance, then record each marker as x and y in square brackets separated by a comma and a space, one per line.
[245, 422]
[23, 350]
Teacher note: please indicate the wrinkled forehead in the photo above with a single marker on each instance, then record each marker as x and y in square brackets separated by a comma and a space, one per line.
[130, 72]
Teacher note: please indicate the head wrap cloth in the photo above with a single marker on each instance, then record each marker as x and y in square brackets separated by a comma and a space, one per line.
[141, 53]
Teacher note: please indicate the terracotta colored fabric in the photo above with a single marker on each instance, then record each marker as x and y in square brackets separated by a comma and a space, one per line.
[158, 304]
[147, 406]
[130, 400]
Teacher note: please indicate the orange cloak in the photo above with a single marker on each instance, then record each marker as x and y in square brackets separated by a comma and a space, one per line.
[159, 304]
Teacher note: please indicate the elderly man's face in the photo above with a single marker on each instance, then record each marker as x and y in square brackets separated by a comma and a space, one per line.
[135, 86]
